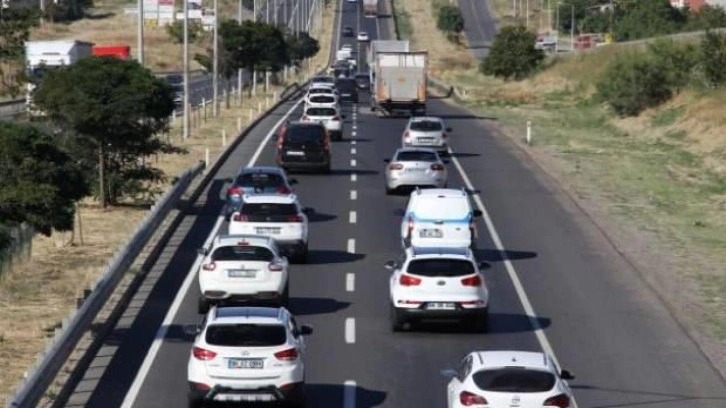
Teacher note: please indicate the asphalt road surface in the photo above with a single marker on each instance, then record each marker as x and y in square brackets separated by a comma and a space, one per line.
[479, 25]
[556, 284]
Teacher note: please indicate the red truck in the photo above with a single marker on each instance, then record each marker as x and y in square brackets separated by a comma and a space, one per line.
[119, 51]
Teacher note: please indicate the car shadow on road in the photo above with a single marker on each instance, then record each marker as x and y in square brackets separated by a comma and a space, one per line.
[329, 256]
[450, 117]
[494, 255]
[315, 216]
[305, 306]
[329, 396]
[499, 323]
[655, 397]
[344, 172]
[459, 155]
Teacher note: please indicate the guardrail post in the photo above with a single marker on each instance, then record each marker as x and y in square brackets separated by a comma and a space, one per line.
[250, 114]
[206, 157]
[259, 107]
[224, 137]
[274, 96]
[239, 124]
[204, 106]
[529, 132]
[267, 101]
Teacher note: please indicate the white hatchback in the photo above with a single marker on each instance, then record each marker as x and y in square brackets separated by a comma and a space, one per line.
[509, 378]
[276, 216]
[242, 268]
[247, 354]
[439, 217]
[329, 116]
[438, 284]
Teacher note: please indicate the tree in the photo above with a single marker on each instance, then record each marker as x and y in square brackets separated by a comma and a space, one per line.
[647, 18]
[114, 109]
[513, 54]
[450, 21]
[175, 31]
[713, 58]
[302, 46]
[253, 45]
[15, 28]
[39, 183]
[248, 4]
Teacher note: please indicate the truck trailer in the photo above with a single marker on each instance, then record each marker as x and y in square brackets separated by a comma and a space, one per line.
[400, 83]
[122, 52]
[370, 8]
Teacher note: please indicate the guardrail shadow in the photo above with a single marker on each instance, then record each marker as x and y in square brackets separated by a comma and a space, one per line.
[495, 255]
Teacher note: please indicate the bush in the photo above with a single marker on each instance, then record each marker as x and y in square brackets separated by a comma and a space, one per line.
[633, 83]
[512, 54]
[713, 58]
[450, 19]
[679, 62]
[176, 31]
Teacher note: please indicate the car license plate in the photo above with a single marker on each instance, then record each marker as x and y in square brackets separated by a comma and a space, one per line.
[347, 95]
[440, 306]
[241, 273]
[250, 363]
[414, 170]
[430, 233]
[425, 140]
[295, 153]
[267, 230]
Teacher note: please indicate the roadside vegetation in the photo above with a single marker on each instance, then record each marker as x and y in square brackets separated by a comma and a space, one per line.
[634, 132]
[93, 208]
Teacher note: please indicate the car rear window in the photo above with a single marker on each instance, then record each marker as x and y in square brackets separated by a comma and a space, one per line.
[320, 112]
[259, 180]
[440, 267]
[317, 80]
[426, 126]
[242, 253]
[345, 85]
[315, 91]
[246, 335]
[305, 134]
[514, 379]
[322, 99]
[271, 209]
[416, 156]
[443, 208]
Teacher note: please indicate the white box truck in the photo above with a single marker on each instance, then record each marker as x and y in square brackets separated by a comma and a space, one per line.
[400, 83]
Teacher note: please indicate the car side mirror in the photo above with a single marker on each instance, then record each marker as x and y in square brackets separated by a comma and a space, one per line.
[566, 375]
[448, 129]
[448, 373]
[192, 329]
[477, 213]
[386, 160]
[390, 265]
[202, 251]
[292, 181]
[306, 330]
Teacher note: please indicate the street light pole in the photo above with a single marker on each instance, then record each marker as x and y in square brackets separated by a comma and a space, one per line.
[215, 62]
[139, 32]
[239, 70]
[186, 68]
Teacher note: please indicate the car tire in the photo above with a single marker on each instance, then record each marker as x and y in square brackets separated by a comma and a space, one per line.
[203, 305]
[194, 402]
[397, 321]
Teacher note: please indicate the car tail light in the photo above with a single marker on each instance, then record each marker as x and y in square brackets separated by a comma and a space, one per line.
[335, 118]
[559, 401]
[305, 118]
[437, 167]
[273, 267]
[235, 191]
[395, 166]
[203, 354]
[407, 137]
[468, 399]
[408, 280]
[472, 281]
[283, 190]
[410, 302]
[410, 226]
[200, 386]
[294, 218]
[444, 135]
[287, 355]
[210, 266]
[239, 217]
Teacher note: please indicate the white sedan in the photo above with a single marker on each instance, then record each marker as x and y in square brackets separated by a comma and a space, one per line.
[363, 36]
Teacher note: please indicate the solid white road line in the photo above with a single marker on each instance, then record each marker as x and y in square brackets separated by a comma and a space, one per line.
[353, 195]
[353, 177]
[352, 217]
[133, 391]
[353, 163]
[350, 330]
[349, 394]
[351, 246]
[350, 282]
[353, 151]
[518, 287]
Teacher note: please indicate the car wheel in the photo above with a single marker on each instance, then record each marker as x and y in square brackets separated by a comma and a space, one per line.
[397, 320]
[203, 305]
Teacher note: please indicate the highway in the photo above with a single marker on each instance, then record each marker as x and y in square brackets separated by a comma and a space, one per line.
[479, 25]
[556, 285]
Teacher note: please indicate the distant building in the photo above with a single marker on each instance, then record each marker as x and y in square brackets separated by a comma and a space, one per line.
[696, 4]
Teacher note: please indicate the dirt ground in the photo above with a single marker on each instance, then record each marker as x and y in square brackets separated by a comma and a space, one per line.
[44, 289]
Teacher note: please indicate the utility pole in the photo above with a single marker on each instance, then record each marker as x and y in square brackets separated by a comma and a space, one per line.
[557, 28]
[572, 29]
[186, 68]
[267, 11]
[239, 70]
[527, 14]
[254, 71]
[215, 62]
[139, 31]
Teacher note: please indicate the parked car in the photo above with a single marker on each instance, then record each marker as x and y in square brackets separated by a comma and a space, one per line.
[303, 146]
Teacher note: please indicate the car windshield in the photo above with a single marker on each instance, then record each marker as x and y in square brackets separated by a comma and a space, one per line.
[416, 157]
[265, 209]
[514, 379]
[440, 267]
[320, 112]
[260, 180]
[426, 125]
[246, 335]
[322, 99]
[242, 253]
[305, 134]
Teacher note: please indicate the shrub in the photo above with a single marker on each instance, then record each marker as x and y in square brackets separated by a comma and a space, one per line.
[450, 19]
[713, 58]
[513, 54]
[678, 61]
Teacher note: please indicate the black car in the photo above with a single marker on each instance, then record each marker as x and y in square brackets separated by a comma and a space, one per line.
[347, 90]
[363, 81]
[303, 146]
[348, 32]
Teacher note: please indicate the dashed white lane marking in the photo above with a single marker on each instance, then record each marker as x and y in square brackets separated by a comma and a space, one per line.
[349, 394]
[353, 142]
[351, 246]
[353, 163]
[353, 133]
[352, 150]
[513, 276]
[353, 195]
[352, 217]
[355, 127]
[353, 177]
[350, 282]
[350, 330]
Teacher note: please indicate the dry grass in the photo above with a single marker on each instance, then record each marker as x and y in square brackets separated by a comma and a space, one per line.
[44, 289]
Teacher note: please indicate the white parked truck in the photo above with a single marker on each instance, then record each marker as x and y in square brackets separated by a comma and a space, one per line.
[370, 8]
[41, 56]
[400, 83]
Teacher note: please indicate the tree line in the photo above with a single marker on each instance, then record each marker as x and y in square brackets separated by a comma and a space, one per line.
[103, 117]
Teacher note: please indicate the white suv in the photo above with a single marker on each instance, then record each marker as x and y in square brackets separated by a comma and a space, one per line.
[438, 284]
[276, 216]
[439, 217]
[244, 354]
[508, 378]
[242, 268]
[329, 116]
